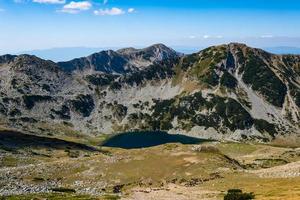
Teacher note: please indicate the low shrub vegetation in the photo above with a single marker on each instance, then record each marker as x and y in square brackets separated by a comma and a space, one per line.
[237, 194]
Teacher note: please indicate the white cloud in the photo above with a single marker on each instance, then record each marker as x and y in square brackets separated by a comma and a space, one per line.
[113, 11]
[192, 37]
[49, 1]
[212, 36]
[266, 36]
[131, 10]
[76, 7]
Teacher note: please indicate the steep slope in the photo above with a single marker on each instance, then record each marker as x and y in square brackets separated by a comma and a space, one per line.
[223, 92]
[257, 80]
[32, 89]
[104, 61]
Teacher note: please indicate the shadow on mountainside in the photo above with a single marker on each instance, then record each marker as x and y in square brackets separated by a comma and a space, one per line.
[143, 139]
[18, 140]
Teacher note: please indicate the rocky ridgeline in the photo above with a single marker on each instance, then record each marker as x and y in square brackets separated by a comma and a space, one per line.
[223, 92]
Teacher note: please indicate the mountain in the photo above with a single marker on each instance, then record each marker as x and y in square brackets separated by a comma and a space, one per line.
[121, 61]
[68, 53]
[63, 53]
[283, 50]
[231, 92]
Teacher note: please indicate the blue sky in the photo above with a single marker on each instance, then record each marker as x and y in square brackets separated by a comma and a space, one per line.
[43, 24]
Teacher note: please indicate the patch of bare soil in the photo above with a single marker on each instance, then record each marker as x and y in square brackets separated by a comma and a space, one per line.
[284, 171]
[172, 192]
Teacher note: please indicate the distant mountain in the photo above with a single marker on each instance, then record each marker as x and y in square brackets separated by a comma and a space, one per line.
[231, 92]
[283, 50]
[63, 54]
[69, 53]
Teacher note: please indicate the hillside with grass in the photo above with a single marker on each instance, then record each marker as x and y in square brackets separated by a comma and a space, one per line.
[177, 167]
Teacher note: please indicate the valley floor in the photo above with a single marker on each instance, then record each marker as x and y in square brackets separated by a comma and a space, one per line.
[169, 171]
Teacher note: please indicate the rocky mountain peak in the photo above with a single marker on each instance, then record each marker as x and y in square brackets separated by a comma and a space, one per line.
[151, 49]
[127, 51]
[237, 45]
[6, 58]
[159, 47]
[121, 61]
[26, 62]
[156, 52]
[161, 52]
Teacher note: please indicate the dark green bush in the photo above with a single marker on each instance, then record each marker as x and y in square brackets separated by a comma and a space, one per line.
[64, 113]
[295, 92]
[211, 78]
[228, 80]
[264, 80]
[83, 104]
[30, 100]
[264, 126]
[73, 154]
[189, 60]
[233, 114]
[101, 79]
[237, 194]
[65, 190]
[153, 72]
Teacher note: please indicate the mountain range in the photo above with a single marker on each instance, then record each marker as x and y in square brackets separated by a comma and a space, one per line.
[225, 92]
[68, 53]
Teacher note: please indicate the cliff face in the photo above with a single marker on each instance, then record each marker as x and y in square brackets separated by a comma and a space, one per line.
[223, 92]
